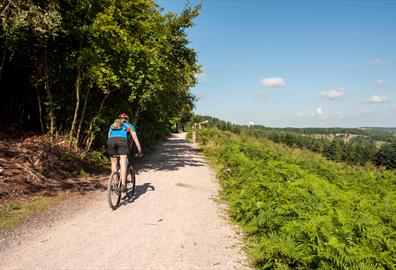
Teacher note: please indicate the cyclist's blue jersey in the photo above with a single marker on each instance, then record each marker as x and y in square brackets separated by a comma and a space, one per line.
[123, 132]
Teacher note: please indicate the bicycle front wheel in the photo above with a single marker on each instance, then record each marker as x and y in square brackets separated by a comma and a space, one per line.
[114, 190]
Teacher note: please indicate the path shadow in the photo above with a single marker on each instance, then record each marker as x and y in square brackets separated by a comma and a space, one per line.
[139, 191]
[171, 155]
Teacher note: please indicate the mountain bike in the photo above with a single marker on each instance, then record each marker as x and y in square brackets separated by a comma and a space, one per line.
[115, 188]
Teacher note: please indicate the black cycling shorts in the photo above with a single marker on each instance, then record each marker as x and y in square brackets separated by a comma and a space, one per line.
[117, 146]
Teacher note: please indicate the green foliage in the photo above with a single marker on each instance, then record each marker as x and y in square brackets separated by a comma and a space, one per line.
[386, 156]
[82, 173]
[359, 150]
[74, 65]
[23, 19]
[65, 155]
[302, 211]
[98, 157]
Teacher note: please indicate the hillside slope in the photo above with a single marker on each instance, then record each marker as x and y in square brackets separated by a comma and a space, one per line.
[302, 211]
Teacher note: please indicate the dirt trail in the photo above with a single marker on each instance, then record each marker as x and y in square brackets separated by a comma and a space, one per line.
[174, 222]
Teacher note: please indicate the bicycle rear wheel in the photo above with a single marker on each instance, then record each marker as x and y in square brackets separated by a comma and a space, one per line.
[114, 190]
[131, 181]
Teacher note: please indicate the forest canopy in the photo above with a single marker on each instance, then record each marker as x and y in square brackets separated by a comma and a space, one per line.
[70, 67]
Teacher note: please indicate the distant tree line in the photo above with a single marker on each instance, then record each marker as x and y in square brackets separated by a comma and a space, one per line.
[70, 66]
[358, 151]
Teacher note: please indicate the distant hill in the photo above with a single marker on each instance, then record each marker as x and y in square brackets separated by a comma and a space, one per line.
[390, 129]
[357, 146]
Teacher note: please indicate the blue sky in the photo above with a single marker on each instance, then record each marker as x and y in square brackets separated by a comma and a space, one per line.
[296, 63]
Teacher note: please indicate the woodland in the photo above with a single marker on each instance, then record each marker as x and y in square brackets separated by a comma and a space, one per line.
[68, 68]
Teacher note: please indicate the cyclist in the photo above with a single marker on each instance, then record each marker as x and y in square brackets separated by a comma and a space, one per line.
[118, 143]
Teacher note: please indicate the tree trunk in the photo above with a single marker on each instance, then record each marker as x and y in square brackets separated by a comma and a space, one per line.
[91, 133]
[40, 110]
[2, 61]
[82, 116]
[73, 126]
[78, 88]
[51, 113]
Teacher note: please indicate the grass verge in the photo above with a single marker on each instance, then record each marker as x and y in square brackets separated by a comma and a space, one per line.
[13, 213]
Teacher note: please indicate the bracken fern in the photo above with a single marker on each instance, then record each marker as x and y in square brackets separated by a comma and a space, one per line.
[301, 211]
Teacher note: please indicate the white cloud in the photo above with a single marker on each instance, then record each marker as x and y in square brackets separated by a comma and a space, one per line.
[272, 82]
[378, 82]
[378, 99]
[332, 94]
[321, 114]
[377, 61]
[299, 114]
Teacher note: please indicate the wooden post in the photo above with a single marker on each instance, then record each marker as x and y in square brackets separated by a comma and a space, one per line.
[194, 137]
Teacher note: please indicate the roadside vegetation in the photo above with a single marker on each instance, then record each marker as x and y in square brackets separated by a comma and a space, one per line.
[13, 213]
[36, 166]
[361, 149]
[302, 211]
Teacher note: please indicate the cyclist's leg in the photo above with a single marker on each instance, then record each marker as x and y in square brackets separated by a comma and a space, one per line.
[123, 168]
[122, 150]
[113, 161]
[112, 150]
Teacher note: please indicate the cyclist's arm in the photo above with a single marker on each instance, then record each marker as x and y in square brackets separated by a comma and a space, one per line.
[136, 140]
[135, 137]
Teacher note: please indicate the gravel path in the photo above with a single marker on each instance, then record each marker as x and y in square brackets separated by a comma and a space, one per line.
[174, 222]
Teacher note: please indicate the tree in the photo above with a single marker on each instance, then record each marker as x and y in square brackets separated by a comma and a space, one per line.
[74, 65]
[386, 156]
